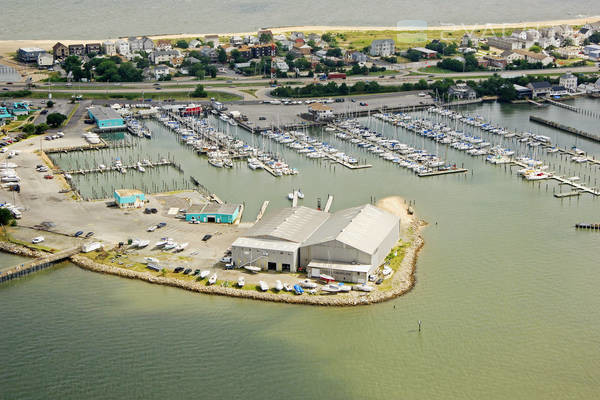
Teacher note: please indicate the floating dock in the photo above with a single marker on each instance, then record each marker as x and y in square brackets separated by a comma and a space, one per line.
[115, 169]
[329, 203]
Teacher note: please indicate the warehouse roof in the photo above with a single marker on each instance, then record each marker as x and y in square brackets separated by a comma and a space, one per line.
[103, 113]
[213, 208]
[265, 244]
[291, 224]
[128, 192]
[363, 228]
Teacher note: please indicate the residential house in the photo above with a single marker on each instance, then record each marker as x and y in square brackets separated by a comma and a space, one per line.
[209, 52]
[462, 91]
[426, 53]
[504, 43]
[320, 111]
[135, 44]
[161, 71]
[569, 81]
[540, 89]
[76, 49]
[164, 44]
[301, 50]
[469, 39]
[522, 91]
[251, 40]
[533, 58]
[355, 57]
[264, 50]
[60, 51]
[511, 56]
[321, 53]
[194, 43]
[238, 67]
[236, 41]
[93, 48]
[383, 47]
[286, 44]
[147, 43]
[592, 51]
[558, 90]
[5, 116]
[263, 31]
[29, 54]
[569, 52]
[297, 35]
[165, 56]
[123, 47]
[214, 39]
[496, 62]
[109, 48]
[281, 65]
[45, 60]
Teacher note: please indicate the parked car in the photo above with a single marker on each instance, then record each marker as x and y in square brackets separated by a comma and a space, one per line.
[379, 281]
[161, 225]
[38, 239]
[151, 228]
[206, 237]
[153, 210]
[48, 176]
[89, 234]
[226, 260]
[363, 104]
[78, 233]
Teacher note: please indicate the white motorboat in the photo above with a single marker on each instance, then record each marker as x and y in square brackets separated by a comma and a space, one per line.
[135, 243]
[161, 242]
[241, 281]
[151, 228]
[278, 285]
[170, 245]
[308, 284]
[143, 243]
[204, 274]
[331, 288]
[291, 196]
[300, 194]
[263, 286]
[287, 287]
[213, 279]
[182, 246]
[37, 239]
[151, 260]
[387, 270]
[252, 269]
[141, 169]
[363, 287]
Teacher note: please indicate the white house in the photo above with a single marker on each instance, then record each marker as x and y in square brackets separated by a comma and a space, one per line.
[383, 47]
[123, 47]
[45, 60]
[569, 81]
[109, 48]
[194, 43]
[161, 71]
[320, 111]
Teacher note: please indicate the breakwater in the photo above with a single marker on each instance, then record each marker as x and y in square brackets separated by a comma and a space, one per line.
[565, 128]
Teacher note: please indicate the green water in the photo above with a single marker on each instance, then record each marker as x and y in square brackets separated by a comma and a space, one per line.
[507, 291]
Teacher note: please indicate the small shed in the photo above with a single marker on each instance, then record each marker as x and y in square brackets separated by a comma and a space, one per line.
[213, 212]
[129, 198]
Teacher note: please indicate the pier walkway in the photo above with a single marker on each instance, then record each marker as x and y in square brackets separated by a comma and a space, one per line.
[574, 109]
[565, 128]
[37, 264]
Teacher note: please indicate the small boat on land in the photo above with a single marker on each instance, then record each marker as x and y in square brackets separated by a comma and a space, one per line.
[263, 286]
[241, 281]
[278, 285]
[143, 243]
[331, 288]
[307, 284]
[204, 274]
[170, 245]
[151, 260]
[252, 268]
[287, 287]
[182, 246]
[135, 243]
[298, 289]
[363, 287]
[161, 243]
[213, 279]
[387, 270]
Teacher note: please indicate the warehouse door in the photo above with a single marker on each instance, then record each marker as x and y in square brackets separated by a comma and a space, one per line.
[210, 219]
[272, 266]
[285, 267]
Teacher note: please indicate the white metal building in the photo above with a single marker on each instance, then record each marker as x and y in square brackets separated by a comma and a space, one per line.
[348, 245]
[351, 244]
[273, 242]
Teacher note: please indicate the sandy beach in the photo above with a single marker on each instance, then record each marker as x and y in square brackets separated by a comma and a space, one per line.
[10, 46]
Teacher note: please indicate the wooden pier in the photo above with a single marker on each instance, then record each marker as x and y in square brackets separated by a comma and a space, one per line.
[37, 264]
[571, 193]
[565, 128]
[443, 172]
[329, 203]
[263, 208]
[574, 109]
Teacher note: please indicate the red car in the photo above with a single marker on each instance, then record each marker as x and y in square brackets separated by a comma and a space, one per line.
[48, 176]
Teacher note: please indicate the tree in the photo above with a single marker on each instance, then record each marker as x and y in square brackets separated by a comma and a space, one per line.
[49, 104]
[535, 48]
[334, 52]
[595, 37]
[41, 128]
[507, 92]
[182, 44]
[265, 38]
[413, 55]
[221, 55]
[55, 119]
[6, 217]
[199, 92]
[28, 129]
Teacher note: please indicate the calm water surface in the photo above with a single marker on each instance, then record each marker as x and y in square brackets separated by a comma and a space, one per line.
[507, 291]
[89, 19]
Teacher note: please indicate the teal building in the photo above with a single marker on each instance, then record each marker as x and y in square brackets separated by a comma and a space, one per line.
[213, 212]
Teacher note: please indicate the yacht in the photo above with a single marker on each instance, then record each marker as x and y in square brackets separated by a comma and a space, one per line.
[252, 268]
[204, 274]
[331, 288]
[215, 162]
[278, 285]
[306, 283]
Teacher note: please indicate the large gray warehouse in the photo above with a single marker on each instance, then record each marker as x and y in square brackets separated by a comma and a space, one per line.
[348, 245]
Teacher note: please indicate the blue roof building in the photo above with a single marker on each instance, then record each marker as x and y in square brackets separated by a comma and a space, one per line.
[106, 118]
[129, 198]
[5, 115]
[213, 212]
[20, 108]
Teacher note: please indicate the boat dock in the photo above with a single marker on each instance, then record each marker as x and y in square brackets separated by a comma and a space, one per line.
[263, 208]
[85, 147]
[573, 108]
[117, 168]
[571, 193]
[565, 128]
[295, 199]
[216, 199]
[443, 172]
[37, 264]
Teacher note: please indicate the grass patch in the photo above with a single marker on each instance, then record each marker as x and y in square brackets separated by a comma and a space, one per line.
[66, 121]
[436, 70]
[251, 92]
[7, 237]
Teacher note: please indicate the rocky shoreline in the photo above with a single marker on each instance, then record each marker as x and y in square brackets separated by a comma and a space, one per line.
[402, 280]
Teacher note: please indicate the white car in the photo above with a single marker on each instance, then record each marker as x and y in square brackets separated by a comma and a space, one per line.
[38, 239]
[152, 228]
[226, 260]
